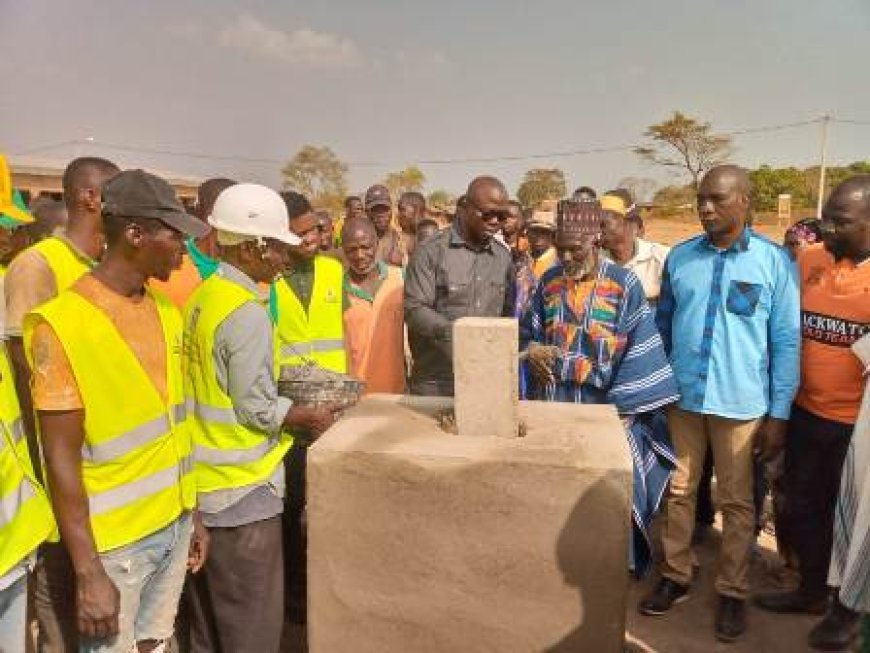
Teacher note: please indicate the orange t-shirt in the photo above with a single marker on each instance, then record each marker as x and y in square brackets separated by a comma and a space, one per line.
[138, 323]
[181, 284]
[374, 335]
[835, 312]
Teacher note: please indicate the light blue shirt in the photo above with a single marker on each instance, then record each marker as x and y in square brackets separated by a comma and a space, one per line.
[730, 321]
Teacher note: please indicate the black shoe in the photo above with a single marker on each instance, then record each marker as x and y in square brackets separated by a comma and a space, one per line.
[794, 602]
[730, 619]
[837, 630]
[665, 596]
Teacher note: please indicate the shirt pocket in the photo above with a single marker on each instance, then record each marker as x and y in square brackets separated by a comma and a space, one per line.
[454, 295]
[743, 297]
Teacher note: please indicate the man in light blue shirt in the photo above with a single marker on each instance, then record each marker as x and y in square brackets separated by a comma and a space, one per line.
[729, 315]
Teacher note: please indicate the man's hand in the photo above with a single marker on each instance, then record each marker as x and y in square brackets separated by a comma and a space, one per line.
[542, 358]
[769, 439]
[314, 420]
[98, 603]
[198, 551]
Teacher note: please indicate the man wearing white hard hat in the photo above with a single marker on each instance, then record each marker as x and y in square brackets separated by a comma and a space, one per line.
[240, 428]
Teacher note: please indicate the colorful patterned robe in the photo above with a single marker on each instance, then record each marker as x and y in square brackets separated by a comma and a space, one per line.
[611, 353]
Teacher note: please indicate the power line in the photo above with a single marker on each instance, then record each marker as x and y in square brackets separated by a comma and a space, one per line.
[558, 154]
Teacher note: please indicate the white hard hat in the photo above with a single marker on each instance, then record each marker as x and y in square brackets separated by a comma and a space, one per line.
[252, 210]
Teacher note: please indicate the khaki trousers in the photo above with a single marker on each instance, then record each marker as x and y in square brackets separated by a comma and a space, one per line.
[731, 442]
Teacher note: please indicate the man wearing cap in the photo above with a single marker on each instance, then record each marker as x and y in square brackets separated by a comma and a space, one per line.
[109, 395]
[239, 426]
[620, 239]
[379, 209]
[460, 272]
[540, 257]
[729, 315]
[590, 337]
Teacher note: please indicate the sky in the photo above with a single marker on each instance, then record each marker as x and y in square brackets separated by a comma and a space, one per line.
[387, 84]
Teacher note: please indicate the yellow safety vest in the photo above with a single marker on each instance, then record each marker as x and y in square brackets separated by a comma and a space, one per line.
[25, 513]
[227, 454]
[67, 264]
[136, 457]
[317, 334]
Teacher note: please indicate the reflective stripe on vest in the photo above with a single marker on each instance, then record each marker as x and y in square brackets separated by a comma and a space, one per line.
[135, 456]
[318, 333]
[25, 514]
[227, 453]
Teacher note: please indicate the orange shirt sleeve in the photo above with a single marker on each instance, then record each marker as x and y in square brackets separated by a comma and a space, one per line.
[53, 383]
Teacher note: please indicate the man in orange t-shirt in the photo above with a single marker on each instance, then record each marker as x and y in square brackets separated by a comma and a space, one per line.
[374, 312]
[835, 313]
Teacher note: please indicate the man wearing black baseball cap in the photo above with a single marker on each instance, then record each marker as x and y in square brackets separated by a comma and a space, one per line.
[109, 396]
[379, 209]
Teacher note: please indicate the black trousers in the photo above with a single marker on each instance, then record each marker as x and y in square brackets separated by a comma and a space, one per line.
[814, 454]
[235, 604]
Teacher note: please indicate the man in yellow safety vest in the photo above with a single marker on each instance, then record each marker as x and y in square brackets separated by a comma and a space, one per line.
[108, 391]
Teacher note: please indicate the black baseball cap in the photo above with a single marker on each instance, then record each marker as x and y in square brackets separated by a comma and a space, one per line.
[139, 194]
[378, 195]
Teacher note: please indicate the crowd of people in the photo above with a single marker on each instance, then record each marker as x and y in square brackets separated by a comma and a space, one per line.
[152, 475]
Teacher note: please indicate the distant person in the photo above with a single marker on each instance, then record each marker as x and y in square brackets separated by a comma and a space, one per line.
[411, 209]
[835, 313]
[802, 234]
[353, 207]
[373, 316]
[328, 237]
[200, 261]
[540, 257]
[513, 229]
[37, 275]
[729, 318]
[584, 194]
[460, 272]
[379, 209]
[426, 228]
[49, 216]
[620, 239]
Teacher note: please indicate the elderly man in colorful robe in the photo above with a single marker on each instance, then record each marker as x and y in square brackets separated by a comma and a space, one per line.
[590, 337]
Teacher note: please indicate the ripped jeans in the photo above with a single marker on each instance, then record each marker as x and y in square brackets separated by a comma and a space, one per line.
[149, 575]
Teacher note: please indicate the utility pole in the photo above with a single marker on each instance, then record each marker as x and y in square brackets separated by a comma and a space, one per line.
[825, 120]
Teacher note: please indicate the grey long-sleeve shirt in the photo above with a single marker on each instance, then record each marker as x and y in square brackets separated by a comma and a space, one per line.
[244, 362]
[445, 280]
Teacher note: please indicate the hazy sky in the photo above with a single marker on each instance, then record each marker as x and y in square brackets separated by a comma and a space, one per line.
[401, 82]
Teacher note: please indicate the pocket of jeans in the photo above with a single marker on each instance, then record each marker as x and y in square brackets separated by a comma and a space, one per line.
[743, 297]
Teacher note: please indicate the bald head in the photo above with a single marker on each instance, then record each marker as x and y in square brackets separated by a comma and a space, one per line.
[846, 219]
[731, 175]
[354, 228]
[723, 204]
[855, 189]
[86, 176]
[485, 185]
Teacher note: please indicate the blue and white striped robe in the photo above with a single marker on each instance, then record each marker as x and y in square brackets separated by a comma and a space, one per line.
[638, 380]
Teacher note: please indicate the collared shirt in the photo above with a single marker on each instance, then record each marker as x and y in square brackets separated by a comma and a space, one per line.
[448, 279]
[244, 363]
[730, 321]
[648, 263]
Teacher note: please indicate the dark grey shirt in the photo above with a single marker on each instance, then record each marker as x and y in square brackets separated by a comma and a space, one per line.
[445, 280]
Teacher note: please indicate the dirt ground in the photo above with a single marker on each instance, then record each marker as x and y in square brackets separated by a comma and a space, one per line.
[671, 231]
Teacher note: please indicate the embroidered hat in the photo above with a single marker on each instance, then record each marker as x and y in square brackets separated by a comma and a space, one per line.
[582, 217]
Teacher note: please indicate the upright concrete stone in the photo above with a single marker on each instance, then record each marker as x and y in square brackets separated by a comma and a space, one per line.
[425, 542]
[485, 374]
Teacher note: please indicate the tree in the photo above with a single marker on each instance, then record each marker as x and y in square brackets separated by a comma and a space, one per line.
[641, 188]
[541, 184]
[319, 174]
[403, 181]
[671, 200]
[769, 183]
[686, 143]
[834, 175]
[440, 197]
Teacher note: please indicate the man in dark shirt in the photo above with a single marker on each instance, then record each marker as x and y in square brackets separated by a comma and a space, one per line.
[460, 272]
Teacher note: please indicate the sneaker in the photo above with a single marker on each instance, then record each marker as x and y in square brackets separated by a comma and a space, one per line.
[794, 602]
[837, 631]
[730, 619]
[666, 595]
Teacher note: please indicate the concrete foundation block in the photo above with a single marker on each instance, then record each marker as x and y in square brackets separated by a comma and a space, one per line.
[424, 542]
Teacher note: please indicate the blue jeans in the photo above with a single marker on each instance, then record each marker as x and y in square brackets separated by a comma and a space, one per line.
[13, 606]
[149, 575]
